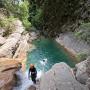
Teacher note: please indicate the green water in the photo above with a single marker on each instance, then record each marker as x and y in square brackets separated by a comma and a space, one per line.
[50, 49]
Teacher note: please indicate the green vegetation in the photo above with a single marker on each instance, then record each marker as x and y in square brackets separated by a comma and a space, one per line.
[17, 9]
[81, 56]
[7, 24]
[36, 15]
[84, 32]
[24, 14]
[51, 17]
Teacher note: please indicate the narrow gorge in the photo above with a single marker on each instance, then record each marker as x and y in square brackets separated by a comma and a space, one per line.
[52, 35]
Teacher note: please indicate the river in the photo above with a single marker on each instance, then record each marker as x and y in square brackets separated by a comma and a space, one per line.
[52, 51]
[45, 49]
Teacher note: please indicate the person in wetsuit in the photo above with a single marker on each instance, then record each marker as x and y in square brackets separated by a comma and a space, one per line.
[32, 73]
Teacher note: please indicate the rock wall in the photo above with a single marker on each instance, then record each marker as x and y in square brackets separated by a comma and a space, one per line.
[8, 68]
[60, 77]
[6, 50]
[72, 44]
[13, 53]
[83, 72]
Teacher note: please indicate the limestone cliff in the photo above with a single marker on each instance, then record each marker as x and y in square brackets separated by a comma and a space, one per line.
[60, 77]
[63, 15]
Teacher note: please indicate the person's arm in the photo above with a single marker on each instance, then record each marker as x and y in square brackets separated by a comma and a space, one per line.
[35, 71]
[29, 74]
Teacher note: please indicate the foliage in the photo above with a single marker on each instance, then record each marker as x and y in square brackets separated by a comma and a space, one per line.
[84, 32]
[18, 9]
[81, 56]
[10, 5]
[35, 15]
[38, 19]
[24, 14]
[58, 15]
[6, 23]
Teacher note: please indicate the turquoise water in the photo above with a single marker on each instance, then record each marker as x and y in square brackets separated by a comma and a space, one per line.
[50, 49]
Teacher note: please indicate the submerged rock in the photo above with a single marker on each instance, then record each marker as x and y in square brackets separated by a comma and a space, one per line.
[60, 77]
[32, 87]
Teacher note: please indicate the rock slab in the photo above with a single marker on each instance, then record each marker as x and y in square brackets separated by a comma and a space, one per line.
[8, 70]
[60, 77]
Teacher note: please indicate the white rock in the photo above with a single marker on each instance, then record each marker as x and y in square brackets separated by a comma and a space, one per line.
[2, 31]
[2, 40]
[7, 49]
[60, 77]
[83, 71]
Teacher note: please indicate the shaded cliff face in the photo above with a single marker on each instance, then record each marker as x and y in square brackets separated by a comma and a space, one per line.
[64, 15]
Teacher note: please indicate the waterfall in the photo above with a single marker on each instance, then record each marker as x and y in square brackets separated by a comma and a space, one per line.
[24, 83]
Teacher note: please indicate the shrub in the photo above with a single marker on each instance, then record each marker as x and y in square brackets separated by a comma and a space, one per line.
[6, 23]
[37, 20]
[84, 32]
[18, 9]
[23, 14]
[81, 56]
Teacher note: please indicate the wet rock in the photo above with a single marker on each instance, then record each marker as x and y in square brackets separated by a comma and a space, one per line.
[60, 77]
[7, 74]
[32, 87]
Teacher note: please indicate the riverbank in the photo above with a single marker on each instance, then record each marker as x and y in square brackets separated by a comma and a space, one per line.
[72, 44]
[14, 49]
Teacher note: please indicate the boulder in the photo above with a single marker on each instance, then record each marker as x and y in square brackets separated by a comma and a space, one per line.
[7, 74]
[60, 77]
[83, 72]
[7, 49]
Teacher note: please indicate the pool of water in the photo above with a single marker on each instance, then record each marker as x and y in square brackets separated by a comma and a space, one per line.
[51, 50]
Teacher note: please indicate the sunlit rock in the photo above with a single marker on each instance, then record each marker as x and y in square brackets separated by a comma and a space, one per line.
[2, 40]
[8, 69]
[83, 72]
[60, 77]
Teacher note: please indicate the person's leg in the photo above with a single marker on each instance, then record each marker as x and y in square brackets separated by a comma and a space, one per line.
[33, 79]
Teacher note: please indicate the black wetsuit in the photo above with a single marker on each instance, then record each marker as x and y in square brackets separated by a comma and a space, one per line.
[33, 74]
